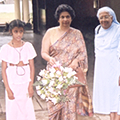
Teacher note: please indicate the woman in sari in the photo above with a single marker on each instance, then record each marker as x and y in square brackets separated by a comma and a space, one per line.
[106, 97]
[66, 45]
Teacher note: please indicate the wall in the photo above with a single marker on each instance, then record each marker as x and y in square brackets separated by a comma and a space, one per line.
[85, 13]
[115, 5]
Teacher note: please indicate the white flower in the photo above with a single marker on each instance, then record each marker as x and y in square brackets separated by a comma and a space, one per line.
[61, 68]
[54, 100]
[55, 93]
[37, 87]
[39, 92]
[68, 69]
[73, 73]
[58, 73]
[57, 64]
[42, 72]
[60, 78]
[64, 77]
[48, 98]
[51, 74]
[66, 81]
[69, 75]
[44, 81]
[59, 86]
[51, 90]
[43, 96]
[47, 87]
[38, 78]
[47, 93]
[59, 92]
[52, 70]
[51, 83]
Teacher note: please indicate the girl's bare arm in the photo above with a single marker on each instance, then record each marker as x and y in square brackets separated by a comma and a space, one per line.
[4, 76]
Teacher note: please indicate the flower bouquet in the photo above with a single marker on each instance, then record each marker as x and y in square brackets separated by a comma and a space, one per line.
[52, 84]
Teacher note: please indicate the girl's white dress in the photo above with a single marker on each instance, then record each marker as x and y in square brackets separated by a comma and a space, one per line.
[21, 108]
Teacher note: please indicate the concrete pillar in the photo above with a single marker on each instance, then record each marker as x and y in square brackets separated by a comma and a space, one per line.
[17, 9]
[25, 10]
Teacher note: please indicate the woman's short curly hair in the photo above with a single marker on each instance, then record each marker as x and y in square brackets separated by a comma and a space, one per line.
[64, 8]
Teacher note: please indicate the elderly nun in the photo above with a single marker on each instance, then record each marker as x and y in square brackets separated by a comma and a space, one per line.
[107, 65]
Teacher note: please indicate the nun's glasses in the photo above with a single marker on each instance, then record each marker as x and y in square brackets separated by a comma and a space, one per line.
[105, 17]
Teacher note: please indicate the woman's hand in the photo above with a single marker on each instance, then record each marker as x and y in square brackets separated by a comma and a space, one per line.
[30, 90]
[10, 94]
[52, 61]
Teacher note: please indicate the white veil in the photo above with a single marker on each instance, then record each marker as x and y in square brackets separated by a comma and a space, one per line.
[110, 11]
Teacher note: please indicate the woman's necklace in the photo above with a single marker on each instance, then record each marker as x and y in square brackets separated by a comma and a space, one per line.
[19, 52]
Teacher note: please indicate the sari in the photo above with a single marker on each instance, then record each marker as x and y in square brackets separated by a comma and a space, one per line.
[66, 49]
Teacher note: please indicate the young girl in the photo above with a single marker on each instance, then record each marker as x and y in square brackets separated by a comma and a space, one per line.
[18, 74]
